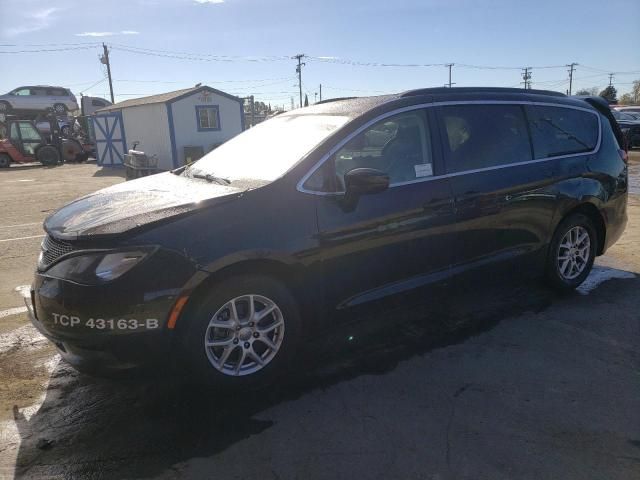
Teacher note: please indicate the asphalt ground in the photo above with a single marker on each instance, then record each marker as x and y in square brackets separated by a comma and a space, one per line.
[520, 383]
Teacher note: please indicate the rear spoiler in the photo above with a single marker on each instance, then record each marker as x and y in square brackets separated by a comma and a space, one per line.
[603, 107]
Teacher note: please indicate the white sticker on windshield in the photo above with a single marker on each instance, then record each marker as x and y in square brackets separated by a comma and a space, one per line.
[423, 170]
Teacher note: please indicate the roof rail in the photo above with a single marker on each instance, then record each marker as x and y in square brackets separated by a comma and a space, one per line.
[329, 100]
[435, 90]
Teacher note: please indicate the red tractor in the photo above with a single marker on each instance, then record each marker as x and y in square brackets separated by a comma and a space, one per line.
[22, 142]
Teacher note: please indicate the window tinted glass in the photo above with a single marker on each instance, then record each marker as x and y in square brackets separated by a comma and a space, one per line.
[481, 136]
[28, 132]
[397, 146]
[23, 91]
[97, 103]
[561, 131]
[58, 92]
[41, 92]
[14, 132]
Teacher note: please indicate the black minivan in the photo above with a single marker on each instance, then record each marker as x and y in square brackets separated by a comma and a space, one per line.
[309, 219]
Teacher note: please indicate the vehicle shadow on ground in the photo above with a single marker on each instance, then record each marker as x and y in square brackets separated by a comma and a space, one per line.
[105, 429]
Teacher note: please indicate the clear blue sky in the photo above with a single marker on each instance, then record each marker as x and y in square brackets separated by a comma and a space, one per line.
[254, 38]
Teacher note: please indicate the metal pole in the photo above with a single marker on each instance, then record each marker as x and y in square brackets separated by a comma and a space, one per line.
[253, 111]
[450, 65]
[320, 92]
[300, 56]
[571, 67]
[106, 60]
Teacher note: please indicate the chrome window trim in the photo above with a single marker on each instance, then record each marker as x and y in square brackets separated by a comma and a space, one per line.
[339, 145]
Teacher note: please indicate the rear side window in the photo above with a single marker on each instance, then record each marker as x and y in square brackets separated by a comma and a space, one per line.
[481, 136]
[97, 103]
[561, 131]
[58, 92]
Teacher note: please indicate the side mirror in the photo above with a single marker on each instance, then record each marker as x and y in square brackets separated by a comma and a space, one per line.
[365, 181]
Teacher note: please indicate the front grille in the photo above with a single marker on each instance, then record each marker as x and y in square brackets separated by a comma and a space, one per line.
[52, 249]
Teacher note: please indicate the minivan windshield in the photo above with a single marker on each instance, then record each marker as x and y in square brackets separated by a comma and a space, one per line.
[268, 150]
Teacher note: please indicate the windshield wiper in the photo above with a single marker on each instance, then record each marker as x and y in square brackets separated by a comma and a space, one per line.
[212, 178]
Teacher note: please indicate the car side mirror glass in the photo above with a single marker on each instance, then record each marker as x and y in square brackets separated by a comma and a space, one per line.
[365, 181]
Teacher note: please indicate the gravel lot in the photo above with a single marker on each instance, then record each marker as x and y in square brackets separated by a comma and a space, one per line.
[518, 384]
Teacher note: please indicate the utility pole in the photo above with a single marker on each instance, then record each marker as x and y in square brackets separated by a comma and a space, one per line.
[320, 92]
[105, 60]
[571, 66]
[611, 78]
[253, 111]
[526, 76]
[315, 97]
[449, 65]
[299, 57]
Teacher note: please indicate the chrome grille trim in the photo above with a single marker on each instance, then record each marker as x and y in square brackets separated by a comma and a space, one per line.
[52, 249]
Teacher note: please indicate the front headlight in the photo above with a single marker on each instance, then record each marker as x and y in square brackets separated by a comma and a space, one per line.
[97, 267]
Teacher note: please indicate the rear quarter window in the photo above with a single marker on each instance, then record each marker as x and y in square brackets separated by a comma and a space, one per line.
[561, 131]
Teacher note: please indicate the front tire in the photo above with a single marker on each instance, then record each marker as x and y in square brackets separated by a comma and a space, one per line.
[5, 107]
[48, 155]
[572, 252]
[245, 333]
[5, 160]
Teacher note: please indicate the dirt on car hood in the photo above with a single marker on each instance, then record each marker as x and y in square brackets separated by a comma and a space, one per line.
[133, 204]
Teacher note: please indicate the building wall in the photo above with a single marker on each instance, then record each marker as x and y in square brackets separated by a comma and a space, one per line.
[186, 125]
[149, 124]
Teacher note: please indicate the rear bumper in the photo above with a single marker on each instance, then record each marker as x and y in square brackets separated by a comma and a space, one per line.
[615, 220]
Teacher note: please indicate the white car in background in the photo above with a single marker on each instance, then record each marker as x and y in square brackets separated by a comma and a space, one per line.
[89, 105]
[39, 97]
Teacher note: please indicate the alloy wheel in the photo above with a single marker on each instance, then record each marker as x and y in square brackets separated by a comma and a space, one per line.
[244, 335]
[574, 252]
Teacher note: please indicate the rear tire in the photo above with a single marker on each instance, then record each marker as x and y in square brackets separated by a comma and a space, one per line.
[48, 155]
[240, 350]
[572, 252]
[60, 108]
[5, 160]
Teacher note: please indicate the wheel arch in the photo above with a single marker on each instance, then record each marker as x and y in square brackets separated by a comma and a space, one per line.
[290, 275]
[590, 210]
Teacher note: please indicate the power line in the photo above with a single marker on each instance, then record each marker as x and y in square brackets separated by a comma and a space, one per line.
[97, 83]
[48, 50]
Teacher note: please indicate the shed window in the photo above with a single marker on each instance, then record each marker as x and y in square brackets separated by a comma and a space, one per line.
[208, 117]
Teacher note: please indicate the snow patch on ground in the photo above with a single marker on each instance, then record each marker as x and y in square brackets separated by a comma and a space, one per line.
[26, 337]
[599, 275]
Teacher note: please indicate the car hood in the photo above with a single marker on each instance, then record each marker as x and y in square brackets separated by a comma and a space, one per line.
[133, 204]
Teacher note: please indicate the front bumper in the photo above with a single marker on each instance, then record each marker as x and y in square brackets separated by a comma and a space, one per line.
[109, 328]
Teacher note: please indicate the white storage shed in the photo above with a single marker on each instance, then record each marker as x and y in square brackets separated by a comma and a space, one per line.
[174, 126]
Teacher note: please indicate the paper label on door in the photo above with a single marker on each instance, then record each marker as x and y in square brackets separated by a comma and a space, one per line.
[423, 170]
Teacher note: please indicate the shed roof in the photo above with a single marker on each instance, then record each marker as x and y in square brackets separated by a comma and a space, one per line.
[165, 98]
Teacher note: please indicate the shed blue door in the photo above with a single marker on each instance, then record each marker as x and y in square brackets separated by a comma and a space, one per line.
[111, 144]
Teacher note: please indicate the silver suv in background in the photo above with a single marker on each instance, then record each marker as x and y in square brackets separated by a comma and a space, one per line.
[39, 97]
